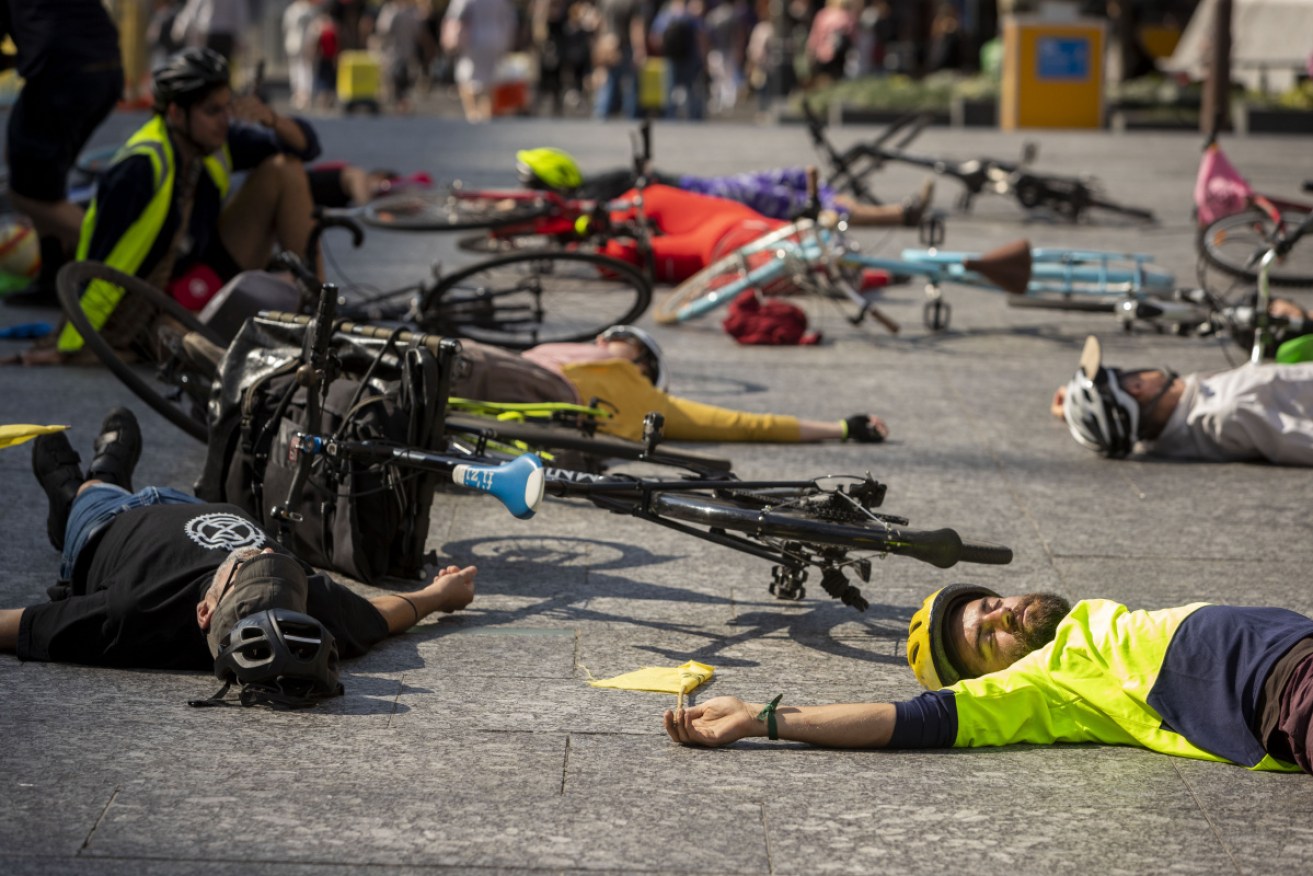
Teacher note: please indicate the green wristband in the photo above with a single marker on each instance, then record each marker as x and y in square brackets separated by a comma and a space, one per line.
[767, 714]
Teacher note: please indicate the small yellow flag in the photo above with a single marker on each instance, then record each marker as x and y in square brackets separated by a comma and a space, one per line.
[659, 679]
[11, 436]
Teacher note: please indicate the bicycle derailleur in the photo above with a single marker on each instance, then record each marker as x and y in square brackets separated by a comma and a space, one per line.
[787, 581]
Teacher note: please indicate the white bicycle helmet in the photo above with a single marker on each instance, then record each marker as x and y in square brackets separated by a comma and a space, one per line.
[652, 357]
[1099, 413]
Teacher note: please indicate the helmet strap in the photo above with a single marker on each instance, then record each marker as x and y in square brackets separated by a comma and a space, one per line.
[217, 699]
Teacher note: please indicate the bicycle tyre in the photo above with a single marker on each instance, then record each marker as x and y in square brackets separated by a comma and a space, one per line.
[942, 548]
[69, 283]
[752, 267]
[490, 244]
[548, 436]
[1073, 305]
[1230, 242]
[449, 211]
[525, 299]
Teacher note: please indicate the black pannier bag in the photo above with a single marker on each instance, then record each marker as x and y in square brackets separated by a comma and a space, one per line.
[369, 521]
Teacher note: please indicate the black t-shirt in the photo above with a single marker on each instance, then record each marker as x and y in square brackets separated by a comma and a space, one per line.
[135, 604]
[60, 34]
[611, 184]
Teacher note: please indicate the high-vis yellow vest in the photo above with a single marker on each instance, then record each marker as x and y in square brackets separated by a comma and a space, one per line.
[151, 140]
[1090, 684]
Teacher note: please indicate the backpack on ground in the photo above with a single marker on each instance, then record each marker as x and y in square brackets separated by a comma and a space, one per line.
[368, 521]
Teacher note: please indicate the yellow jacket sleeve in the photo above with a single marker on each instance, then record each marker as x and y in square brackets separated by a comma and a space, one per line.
[621, 384]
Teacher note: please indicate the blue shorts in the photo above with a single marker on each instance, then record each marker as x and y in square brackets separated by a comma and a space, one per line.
[97, 505]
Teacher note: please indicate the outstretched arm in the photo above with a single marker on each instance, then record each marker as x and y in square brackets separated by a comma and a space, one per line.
[725, 720]
[450, 590]
[863, 428]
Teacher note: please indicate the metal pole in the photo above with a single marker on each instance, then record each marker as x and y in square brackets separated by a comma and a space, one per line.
[1216, 114]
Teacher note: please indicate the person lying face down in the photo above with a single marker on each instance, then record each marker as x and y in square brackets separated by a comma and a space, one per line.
[1213, 682]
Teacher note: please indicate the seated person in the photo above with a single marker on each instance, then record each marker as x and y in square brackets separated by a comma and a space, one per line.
[156, 579]
[779, 193]
[1212, 682]
[1253, 412]
[163, 210]
[625, 370]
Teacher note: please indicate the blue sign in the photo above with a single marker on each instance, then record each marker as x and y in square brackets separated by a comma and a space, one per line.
[1063, 58]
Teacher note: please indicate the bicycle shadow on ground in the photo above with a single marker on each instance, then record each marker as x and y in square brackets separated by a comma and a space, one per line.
[516, 570]
[1053, 335]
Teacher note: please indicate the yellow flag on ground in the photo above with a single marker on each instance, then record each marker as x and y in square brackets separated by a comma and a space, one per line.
[660, 679]
[17, 434]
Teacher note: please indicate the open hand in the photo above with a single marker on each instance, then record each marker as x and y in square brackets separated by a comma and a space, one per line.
[719, 721]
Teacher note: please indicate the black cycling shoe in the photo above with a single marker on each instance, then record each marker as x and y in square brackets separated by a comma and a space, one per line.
[58, 469]
[117, 449]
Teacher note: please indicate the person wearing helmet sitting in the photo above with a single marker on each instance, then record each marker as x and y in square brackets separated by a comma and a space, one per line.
[1253, 412]
[163, 209]
[156, 579]
[779, 193]
[1212, 682]
[626, 372]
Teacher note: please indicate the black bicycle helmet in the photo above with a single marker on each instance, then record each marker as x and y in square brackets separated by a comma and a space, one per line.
[187, 76]
[281, 658]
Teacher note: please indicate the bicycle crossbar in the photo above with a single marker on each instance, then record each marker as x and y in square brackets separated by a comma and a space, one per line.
[433, 343]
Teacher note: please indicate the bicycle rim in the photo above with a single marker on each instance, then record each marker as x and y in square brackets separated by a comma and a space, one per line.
[525, 299]
[1231, 243]
[174, 392]
[757, 267]
[804, 526]
[448, 211]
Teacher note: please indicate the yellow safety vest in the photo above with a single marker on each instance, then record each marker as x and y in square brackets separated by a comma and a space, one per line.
[1090, 684]
[151, 140]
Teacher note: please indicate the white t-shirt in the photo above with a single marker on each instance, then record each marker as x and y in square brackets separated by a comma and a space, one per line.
[1250, 412]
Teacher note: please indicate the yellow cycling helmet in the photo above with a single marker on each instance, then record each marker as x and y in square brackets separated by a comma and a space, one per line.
[927, 652]
[548, 168]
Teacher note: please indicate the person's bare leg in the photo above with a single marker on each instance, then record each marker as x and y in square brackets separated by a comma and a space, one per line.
[875, 215]
[9, 621]
[60, 219]
[273, 206]
[450, 590]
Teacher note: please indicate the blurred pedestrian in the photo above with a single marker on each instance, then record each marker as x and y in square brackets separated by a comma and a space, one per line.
[681, 35]
[548, 22]
[947, 46]
[324, 33]
[298, 42]
[728, 25]
[480, 33]
[619, 52]
[830, 40]
[217, 25]
[398, 31]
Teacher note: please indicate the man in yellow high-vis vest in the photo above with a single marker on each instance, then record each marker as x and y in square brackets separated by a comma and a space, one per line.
[1213, 682]
[163, 209]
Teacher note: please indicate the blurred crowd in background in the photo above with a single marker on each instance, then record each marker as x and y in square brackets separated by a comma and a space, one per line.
[680, 58]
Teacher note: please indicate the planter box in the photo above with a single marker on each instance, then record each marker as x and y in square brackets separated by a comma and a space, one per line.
[973, 113]
[1271, 120]
[852, 115]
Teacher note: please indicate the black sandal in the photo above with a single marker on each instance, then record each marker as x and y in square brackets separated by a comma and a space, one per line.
[58, 469]
[117, 449]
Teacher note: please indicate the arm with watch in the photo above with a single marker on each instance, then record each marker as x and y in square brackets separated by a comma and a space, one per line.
[725, 720]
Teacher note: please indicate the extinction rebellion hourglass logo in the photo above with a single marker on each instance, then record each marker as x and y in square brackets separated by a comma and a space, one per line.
[225, 532]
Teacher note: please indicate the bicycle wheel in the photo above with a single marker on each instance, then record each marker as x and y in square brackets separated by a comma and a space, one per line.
[525, 299]
[491, 243]
[1234, 244]
[451, 211]
[178, 391]
[1062, 302]
[942, 547]
[557, 436]
[763, 266]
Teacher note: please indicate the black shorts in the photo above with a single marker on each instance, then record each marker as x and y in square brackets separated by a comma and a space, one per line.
[53, 118]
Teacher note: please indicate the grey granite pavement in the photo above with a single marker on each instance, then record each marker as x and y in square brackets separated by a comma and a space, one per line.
[473, 743]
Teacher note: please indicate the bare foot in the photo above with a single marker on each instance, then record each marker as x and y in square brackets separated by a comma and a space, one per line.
[452, 588]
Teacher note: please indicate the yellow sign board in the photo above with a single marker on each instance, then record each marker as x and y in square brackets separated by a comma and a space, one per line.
[1052, 74]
